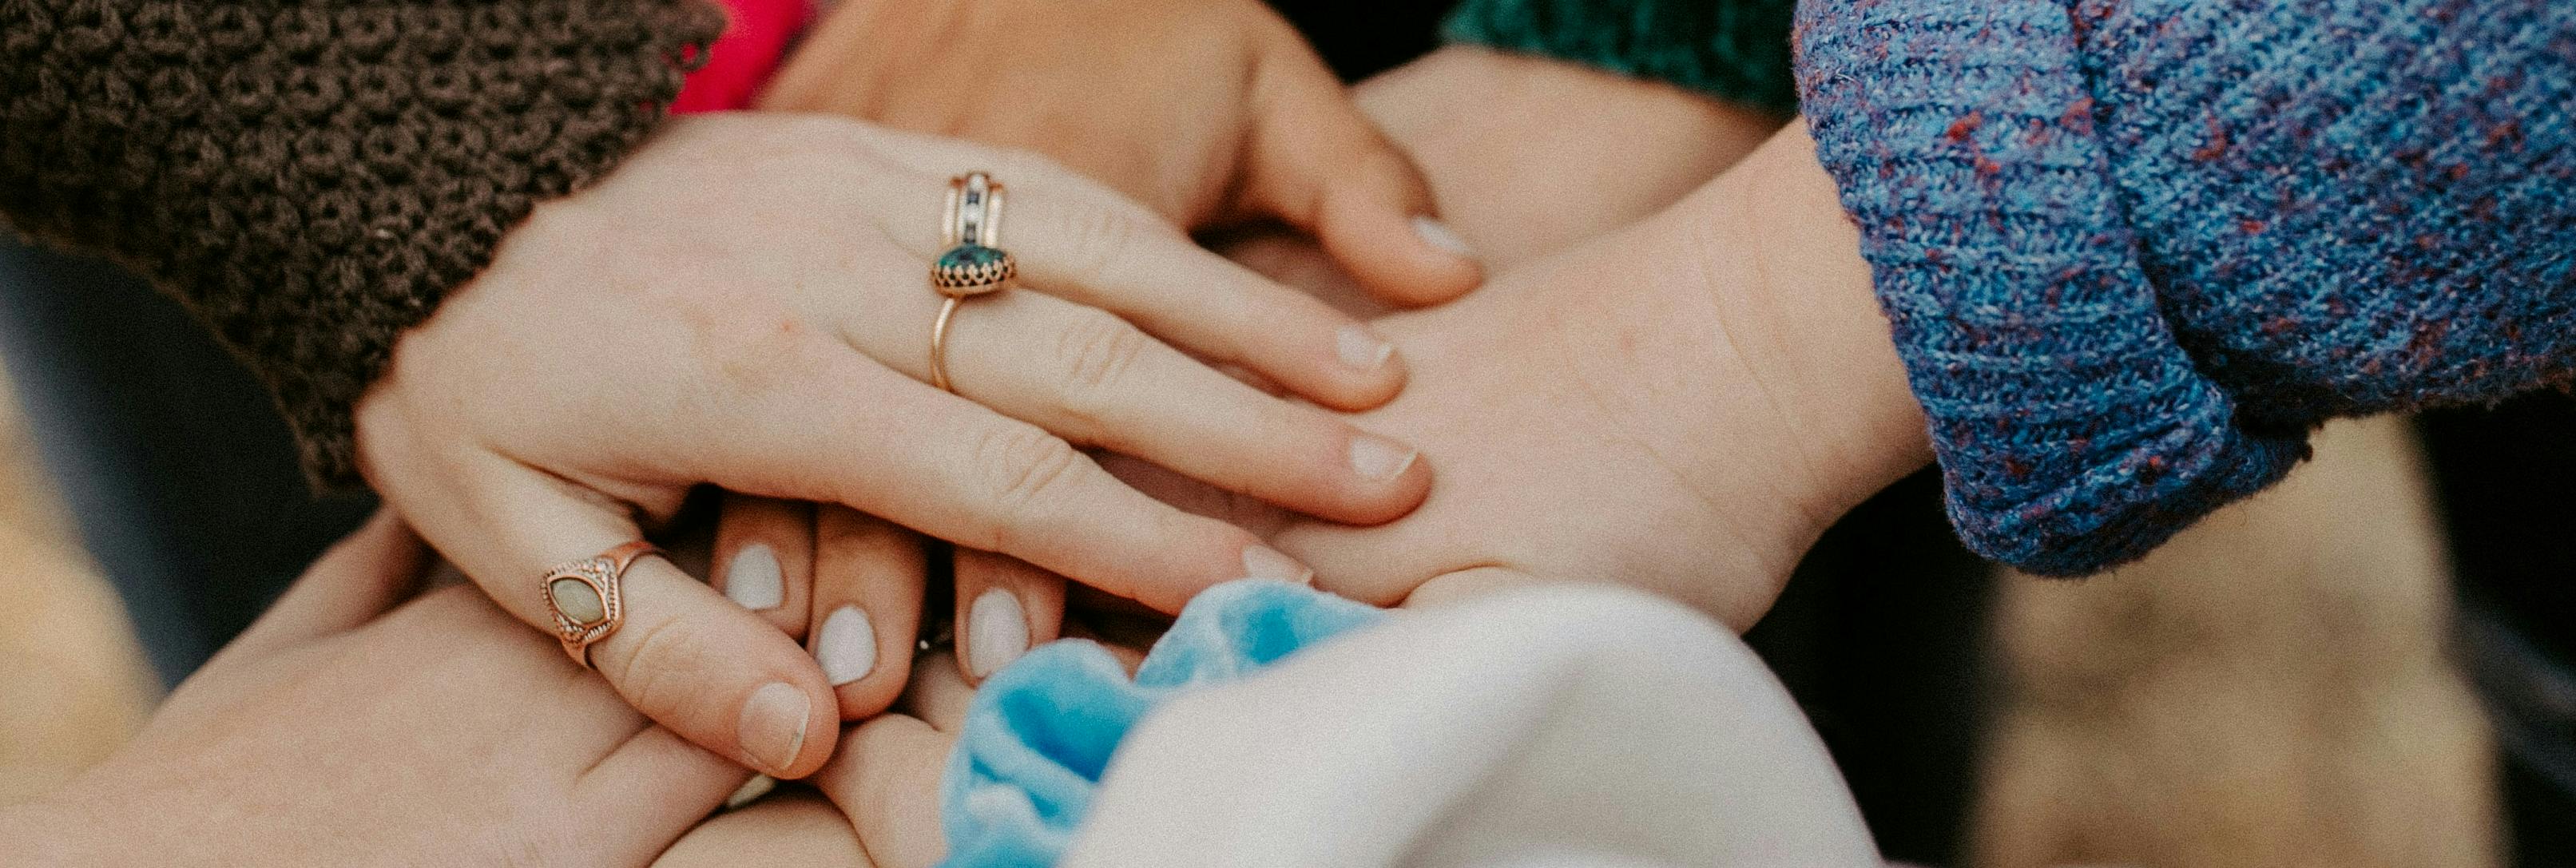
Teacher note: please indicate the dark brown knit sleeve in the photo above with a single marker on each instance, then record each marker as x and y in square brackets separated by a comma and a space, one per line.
[311, 176]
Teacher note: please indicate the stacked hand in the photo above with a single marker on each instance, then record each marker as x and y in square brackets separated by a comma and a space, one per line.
[1609, 428]
[1681, 405]
[1650, 406]
[743, 303]
[746, 302]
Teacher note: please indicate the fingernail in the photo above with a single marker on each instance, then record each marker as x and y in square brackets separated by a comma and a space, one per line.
[1378, 459]
[1438, 234]
[847, 646]
[772, 728]
[754, 580]
[1361, 349]
[1264, 562]
[750, 791]
[997, 632]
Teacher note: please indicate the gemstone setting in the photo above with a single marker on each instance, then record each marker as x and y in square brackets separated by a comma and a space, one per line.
[577, 601]
[972, 269]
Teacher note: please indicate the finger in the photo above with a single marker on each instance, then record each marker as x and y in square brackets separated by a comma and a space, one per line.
[683, 655]
[851, 432]
[886, 778]
[938, 694]
[1317, 163]
[1092, 378]
[764, 558]
[359, 578]
[794, 828]
[1463, 585]
[1077, 240]
[1005, 607]
[685, 782]
[1113, 257]
[868, 584]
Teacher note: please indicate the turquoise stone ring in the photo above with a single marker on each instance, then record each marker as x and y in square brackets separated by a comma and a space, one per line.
[974, 263]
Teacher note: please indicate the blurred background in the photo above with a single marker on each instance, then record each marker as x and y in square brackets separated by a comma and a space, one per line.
[2369, 666]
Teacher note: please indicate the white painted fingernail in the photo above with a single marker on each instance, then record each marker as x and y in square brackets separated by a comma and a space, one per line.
[846, 646]
[997, 632]
[1361, 349]
[754, 580]
[750, 791]
[1378, 459]
[1264, 562]
[1438, 234]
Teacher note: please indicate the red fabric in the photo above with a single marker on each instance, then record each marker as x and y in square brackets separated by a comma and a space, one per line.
[754, 41]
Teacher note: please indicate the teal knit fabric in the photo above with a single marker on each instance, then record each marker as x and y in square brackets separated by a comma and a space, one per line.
[1042, 731]
[1736, 50]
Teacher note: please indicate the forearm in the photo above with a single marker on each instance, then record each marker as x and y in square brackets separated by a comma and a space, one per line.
[308, 179]
[2131, 256]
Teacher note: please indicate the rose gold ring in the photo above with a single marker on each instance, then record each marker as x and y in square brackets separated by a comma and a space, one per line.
[974, 263]
[586, 599]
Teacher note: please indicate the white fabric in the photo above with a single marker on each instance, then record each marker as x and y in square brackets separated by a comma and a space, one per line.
[1558, 727]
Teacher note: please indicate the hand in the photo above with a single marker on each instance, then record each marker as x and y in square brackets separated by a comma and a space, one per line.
[1513, 144]
[1207, 111]
[333, 732]
[884, 781]
[1529, 155]
[745, 303]
[1680, 406]
[1510, 138]
[1538, 371]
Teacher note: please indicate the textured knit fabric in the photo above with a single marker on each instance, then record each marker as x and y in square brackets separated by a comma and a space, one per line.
[1041, 731]
[1737, 50]
[2134, 251]
[311, 177]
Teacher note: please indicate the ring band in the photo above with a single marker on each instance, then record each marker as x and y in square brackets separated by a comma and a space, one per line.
[586, 598]
[973, 264]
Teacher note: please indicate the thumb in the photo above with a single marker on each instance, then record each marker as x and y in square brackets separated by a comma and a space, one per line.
[701, 665]
[1316, 163]
[358, 579]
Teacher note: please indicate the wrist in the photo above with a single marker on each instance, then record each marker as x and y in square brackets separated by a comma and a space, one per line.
[1801, 312]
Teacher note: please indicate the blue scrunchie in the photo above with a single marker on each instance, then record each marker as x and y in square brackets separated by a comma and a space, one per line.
[1042, 730]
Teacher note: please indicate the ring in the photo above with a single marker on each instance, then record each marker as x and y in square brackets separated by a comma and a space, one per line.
[974, 263]
[585, 598]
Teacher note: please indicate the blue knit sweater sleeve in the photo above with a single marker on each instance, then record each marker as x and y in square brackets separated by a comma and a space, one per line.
[2133, 250]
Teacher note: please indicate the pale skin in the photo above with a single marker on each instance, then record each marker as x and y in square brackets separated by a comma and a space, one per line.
[743, 304]
[447, 676]
[1511, 140]
[770, 338]
[348, 726]
[1689, 431]
[1207, 113]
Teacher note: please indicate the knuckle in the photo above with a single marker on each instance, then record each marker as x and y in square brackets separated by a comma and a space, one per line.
[1024, 467]
[1100, 238]
[661, 674]
[1011, 163]
[1095, 353]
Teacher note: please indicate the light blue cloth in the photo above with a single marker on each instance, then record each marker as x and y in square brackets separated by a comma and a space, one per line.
[1042, 730]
